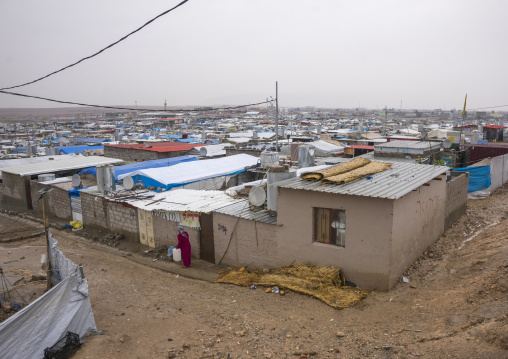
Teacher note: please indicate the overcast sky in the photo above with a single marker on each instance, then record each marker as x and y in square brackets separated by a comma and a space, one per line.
[326, 53]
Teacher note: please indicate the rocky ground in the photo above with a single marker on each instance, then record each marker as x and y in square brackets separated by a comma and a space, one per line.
[454, 306]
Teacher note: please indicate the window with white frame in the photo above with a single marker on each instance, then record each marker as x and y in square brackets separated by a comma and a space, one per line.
[330, 226]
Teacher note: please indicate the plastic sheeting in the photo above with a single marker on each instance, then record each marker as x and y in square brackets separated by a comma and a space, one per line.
[73, 149]
[498, 176]
[479, 177]
[189, 172]
[165, 162]
[327, 148]
[66, 307]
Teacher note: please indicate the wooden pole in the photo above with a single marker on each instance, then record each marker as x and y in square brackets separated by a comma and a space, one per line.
[48, 272]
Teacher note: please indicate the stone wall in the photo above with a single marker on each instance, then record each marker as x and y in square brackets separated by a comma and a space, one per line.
[139, 155]
[456, 197]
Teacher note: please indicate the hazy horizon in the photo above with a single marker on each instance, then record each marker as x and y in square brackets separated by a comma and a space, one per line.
[324, 53]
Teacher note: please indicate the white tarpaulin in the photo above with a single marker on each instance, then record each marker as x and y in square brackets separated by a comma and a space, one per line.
[188, 172]
[327, 148]
[66, 307]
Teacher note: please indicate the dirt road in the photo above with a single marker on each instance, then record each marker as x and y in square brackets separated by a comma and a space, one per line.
[454, 306]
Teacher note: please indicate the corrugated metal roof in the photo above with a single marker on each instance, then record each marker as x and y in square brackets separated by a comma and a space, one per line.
[407, 144]
[241, 209]
[71, 163]
[185, 200]
[394, 183]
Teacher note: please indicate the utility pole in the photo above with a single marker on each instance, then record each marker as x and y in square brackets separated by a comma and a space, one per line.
[276, 116]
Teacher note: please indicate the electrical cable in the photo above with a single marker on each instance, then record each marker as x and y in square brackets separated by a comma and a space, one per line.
[100, 51]
[238, 219]
[485, 108]
[128, 108]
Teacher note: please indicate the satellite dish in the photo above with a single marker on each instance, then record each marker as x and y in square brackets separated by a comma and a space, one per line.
[76, 181]
[447, 143]
[257, 196]
[311, 151]
[128, 183]
[358, 135]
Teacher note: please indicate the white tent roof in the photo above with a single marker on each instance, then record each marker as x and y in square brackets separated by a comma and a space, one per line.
[187, 172]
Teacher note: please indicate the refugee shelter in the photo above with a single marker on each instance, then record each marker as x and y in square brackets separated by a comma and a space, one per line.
[131, 167]
[17, 194]
[148, 151]
[204, 174]
[373, 227]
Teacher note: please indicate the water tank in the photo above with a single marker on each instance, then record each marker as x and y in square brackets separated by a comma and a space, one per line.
[106, 178]
[255, 136]
[294, 150]
[272, 186]
[305, 156]
[269, 158]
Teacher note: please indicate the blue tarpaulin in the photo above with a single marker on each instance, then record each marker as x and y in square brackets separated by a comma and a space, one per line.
[165, 162]
[75, 192]
[91, 140]
[72, 149]
[479, 177]
[188, 140]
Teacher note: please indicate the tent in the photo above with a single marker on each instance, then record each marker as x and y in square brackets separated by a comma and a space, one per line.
[165, 162]
[190, 172]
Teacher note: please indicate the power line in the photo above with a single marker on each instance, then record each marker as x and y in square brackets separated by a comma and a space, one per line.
[485, 108]
[132, 109]
[98, 52]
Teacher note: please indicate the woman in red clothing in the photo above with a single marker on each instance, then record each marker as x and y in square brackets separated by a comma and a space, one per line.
[184, 246]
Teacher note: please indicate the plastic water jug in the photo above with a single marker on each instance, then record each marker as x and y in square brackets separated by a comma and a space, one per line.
[177, 255]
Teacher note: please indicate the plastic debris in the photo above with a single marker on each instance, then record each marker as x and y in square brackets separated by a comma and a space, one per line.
[252, 287]
[275, 290]
[405, 280]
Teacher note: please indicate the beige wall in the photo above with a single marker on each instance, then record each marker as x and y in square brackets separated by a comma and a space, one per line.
[418, 222]
[456, 197]
[252, 243]
[15, 195]
[165, 234]
[365, 258]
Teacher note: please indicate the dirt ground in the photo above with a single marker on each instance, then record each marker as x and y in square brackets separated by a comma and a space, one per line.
[454, 306]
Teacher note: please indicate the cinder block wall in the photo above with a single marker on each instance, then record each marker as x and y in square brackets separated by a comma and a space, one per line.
[94, 210]
[165, 234]
[56, 203]
[123, 219]
[456, 198]
[115, 217]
